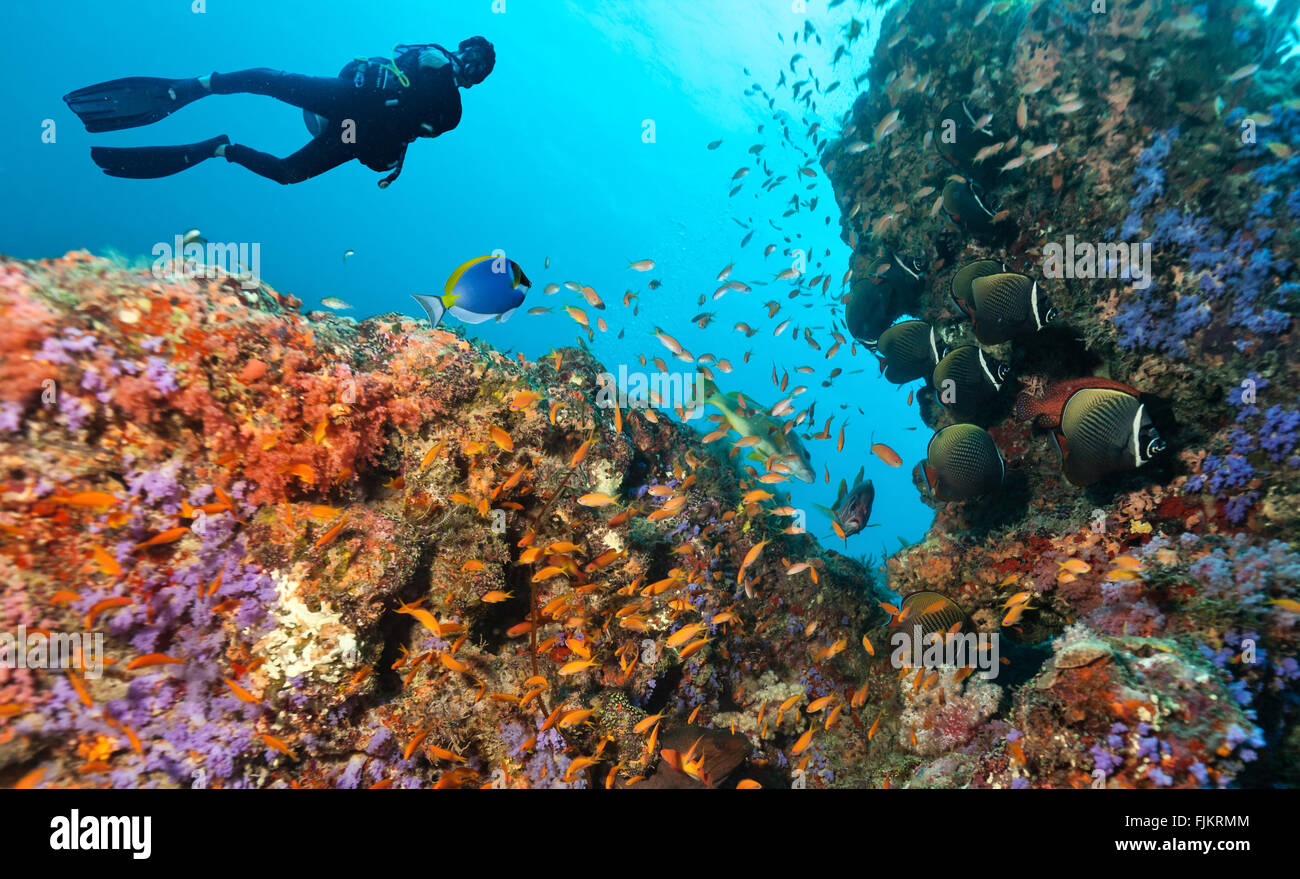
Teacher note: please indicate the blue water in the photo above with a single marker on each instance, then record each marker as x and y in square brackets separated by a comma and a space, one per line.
[550, 161]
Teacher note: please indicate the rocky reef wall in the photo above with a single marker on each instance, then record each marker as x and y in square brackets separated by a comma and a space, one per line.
[1163, 629]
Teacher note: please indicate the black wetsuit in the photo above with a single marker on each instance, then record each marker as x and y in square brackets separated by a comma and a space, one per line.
[388, 116]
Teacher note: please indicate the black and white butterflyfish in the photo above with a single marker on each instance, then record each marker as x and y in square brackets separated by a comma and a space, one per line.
[909, 350]
[968, 204]
[1104, 431]
[885, 289]
[968, 381]
[1008, 306]
[961, 131]
[960, 287]
[961, 462]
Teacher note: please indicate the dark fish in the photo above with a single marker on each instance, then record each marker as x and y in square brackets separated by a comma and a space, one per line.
[885, 289]
[934, 613]
[720, 752]
[852, 508]
[1008, 306]
[1045, 411]
[1104, 431]
[910, 350]
[961, 462]
[968, 381]
[968, 205]
[960, 289]
[957, 138]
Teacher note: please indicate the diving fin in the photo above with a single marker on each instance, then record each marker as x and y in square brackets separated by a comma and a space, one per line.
[132, 102]
[146, 163]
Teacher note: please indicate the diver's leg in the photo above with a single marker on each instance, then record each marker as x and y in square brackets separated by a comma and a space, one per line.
[331, 97]
[317, 157]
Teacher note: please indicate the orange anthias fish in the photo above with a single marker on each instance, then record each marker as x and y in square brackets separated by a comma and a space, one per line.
[581, 454]
[431, 456]
[150, 660]
[1014, 614]
[31, 779]
[820, 704]
[577, 666]
[88, 499]
[303, 472]
[519, 630]
[886, 454]
[578, 315]
[240, 693]
[101, 606]
[523, 400]
[278, 745]
[502, 439]
[105, 562]
[750, 558]
[171, 535]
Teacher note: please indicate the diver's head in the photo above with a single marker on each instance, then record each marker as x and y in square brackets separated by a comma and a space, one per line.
[475, 59]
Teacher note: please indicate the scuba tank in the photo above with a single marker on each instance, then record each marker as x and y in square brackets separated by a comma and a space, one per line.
[316, 123]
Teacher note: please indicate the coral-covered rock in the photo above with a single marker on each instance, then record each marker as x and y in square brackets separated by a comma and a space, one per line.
[327, 553]
[1105, 129]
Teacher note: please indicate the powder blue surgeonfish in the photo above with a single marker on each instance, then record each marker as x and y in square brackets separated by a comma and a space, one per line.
[483, 288]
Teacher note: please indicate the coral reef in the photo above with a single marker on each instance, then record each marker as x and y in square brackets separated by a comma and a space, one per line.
[323, 553]
[328, 553]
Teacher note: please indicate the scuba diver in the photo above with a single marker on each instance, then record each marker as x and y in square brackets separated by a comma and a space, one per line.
[372, 111]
